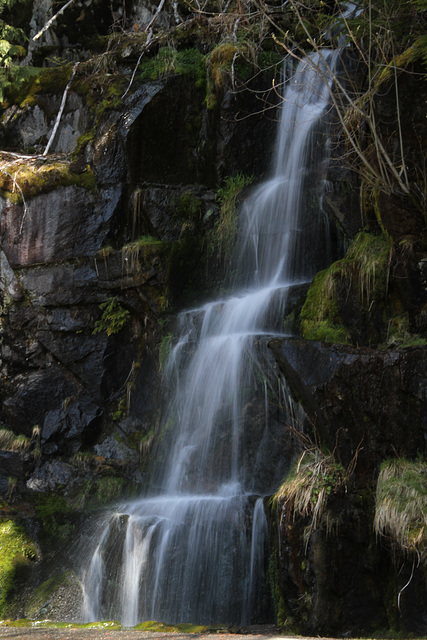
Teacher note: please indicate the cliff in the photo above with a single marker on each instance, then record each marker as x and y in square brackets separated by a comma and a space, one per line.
[160, 116]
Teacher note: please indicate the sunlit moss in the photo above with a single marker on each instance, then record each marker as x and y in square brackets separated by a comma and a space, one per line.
[28, 178]
[17, 550]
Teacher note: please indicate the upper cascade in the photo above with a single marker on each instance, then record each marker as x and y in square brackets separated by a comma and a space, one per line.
[192, 550]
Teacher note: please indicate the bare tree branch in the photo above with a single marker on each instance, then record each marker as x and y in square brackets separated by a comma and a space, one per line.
[52, 19]
[61, 109]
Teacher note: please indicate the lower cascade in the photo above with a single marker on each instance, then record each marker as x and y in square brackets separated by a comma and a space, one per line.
[193, 549]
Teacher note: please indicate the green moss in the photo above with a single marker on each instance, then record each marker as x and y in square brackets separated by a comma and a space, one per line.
[23, 86]
[170, 61]
[27, 179]
[53, 513]
[47, 624]
[362, 274]
[164, 351]
[320, 318]
[278, 600]
[188, 206]
[17, 550]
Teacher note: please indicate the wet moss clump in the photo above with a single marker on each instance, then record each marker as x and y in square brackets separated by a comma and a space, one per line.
[54, 514]
[347, 302]
[17, 552]
[25, 86]
[170, 61]
[24, 179]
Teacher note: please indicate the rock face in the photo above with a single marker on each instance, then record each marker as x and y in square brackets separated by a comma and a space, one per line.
[359, 397]
[364, 405]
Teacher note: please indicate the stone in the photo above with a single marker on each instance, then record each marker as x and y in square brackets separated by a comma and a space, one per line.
[359, 396]
[47, 476]
[11, 466]
[9, 283]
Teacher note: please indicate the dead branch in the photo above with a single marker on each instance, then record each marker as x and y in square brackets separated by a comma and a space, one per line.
[61, 109]
[52, 19]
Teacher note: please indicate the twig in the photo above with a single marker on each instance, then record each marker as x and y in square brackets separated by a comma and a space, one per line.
[15, 184]
[61, 109]
[409, 581]
[52, 19]
[149, 31]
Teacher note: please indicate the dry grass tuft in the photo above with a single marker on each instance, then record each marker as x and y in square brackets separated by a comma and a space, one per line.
[401, 505]
[315, 476]
[9, 441]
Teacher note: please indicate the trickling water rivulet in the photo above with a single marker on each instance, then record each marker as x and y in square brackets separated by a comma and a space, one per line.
[193, 550]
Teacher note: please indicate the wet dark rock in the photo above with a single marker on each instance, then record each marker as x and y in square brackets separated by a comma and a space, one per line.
[35, 395]
[359, 396]
[11, 467]
[55, 226]
[47, 477]
[9, 283]
[71, 425]
[365, 405]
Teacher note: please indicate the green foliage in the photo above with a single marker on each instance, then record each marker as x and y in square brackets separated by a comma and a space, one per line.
[226, 227]
[188, 206]
[362, 273]
[401, 504]
[113, 319]
[11, 38]
[53, 513]
[16, 550]
[108, 489]
[23, 85]
[170, 61]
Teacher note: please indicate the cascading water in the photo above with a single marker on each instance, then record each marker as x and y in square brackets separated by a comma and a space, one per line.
[192, 550]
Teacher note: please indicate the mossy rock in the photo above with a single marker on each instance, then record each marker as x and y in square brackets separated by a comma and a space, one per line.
[51, 599]
[23, 86]
[347, 302]
[26, 179]
[17, 552]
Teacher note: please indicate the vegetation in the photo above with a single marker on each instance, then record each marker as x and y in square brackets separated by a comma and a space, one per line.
[9, 441]
[401, 505]
[16, 551]
[114, 317]
[362, 277]
[25, 178]
[314, 477]
[53, 512]
[226, 228]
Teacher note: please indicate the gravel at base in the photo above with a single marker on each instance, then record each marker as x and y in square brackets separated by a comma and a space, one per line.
[126, 634]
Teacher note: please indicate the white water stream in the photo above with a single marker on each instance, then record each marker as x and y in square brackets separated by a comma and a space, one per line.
[193, 550]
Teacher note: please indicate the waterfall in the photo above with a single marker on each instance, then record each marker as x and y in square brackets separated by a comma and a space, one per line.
[192, 550]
